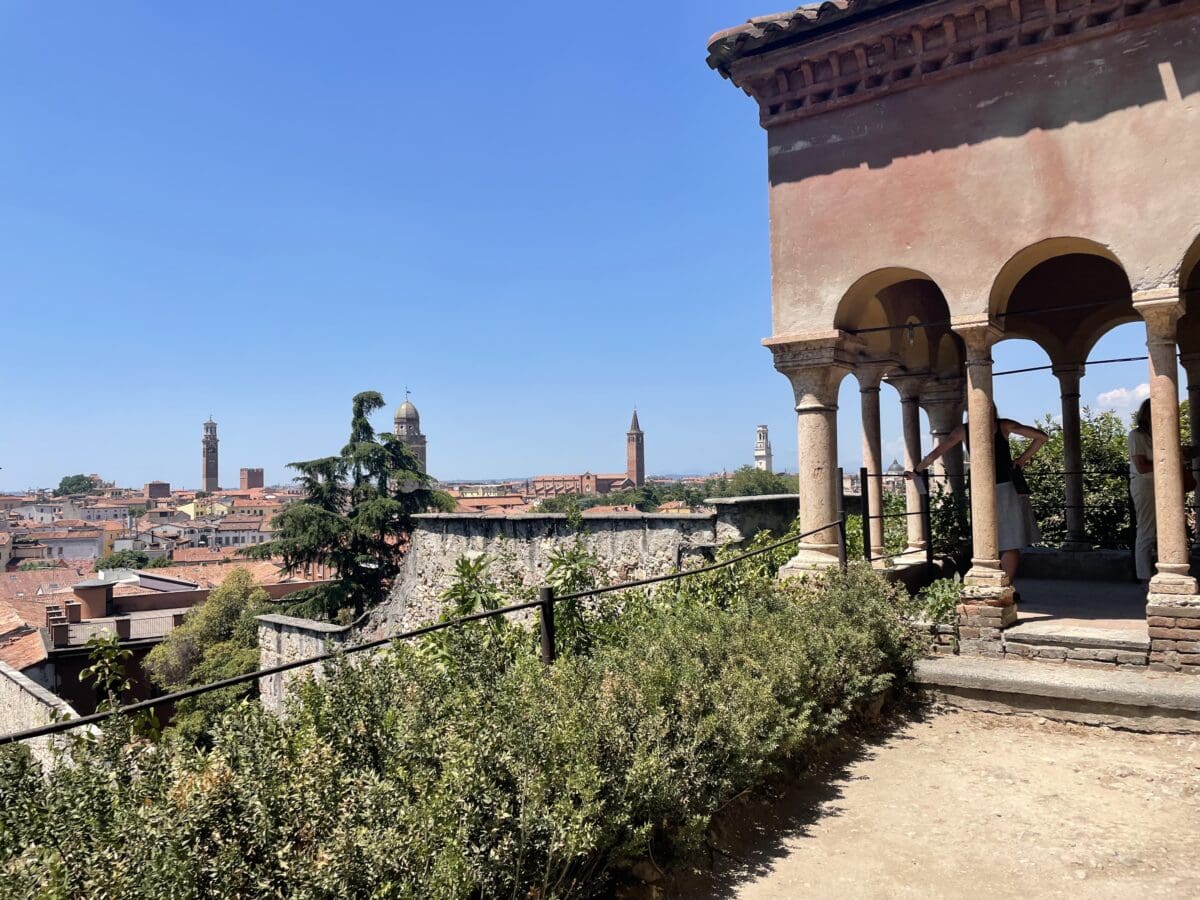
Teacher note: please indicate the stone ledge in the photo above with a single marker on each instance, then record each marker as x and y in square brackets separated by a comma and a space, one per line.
[1140, 693]
[1089, 638]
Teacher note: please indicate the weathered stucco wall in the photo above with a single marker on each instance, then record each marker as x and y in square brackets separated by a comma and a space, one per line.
[1094, 140]
[26, 704]
[284, 639]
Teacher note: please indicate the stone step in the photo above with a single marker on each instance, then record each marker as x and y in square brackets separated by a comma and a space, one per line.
[1048, 632]
[1133, 699]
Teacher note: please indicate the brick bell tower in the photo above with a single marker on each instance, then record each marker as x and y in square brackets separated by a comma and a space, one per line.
[635, 453]
[209, 479]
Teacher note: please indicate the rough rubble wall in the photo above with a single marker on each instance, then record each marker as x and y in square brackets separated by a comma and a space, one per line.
[283, 639]
[26, 704]
[628, 547]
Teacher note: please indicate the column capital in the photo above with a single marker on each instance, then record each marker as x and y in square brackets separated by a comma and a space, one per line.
[1161, 310]
[815, 363]
[978, 333]
[870, 372]
[909, 385]
[1068, 375]
[1191, 365]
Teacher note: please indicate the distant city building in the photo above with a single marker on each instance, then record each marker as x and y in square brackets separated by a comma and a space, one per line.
[635, 453]
[408, 429]
[157, 490]
[762, 451]
[544, 486]
[250, 478]
[209, 481]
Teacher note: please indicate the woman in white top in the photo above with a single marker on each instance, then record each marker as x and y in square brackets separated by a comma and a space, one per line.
[1141, 488]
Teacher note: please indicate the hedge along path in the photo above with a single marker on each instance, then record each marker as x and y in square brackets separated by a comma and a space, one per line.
[545, 602]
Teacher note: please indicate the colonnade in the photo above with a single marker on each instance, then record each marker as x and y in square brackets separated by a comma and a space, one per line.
[817, 364]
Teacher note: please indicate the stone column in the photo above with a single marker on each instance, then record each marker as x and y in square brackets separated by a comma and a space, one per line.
[1191, 365]
[988, 605]
[870, 375]
[942, 401]
[1068, 376]
[909, 387]
[815, 366]
[1172, 585]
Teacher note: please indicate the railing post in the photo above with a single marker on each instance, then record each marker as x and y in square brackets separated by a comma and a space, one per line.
[841, 517]
[546, 623]
[866, 512]
[926, 516]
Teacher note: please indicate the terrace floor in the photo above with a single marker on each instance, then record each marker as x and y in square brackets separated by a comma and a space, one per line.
[1092, 612]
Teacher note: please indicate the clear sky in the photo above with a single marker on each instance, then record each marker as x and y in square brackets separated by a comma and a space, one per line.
[536, 216]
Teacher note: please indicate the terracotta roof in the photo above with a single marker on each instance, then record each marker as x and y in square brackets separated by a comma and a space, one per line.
[23, 650]
[202, 554]
[764, 33]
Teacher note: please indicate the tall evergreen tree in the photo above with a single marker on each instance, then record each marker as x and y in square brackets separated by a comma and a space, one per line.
[355, 518]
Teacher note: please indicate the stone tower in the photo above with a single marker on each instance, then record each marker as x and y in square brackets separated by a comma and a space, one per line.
[408, 429]
[635, 453]
[762, 450]
[209, 481]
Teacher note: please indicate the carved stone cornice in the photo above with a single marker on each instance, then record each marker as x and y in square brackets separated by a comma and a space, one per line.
[794, 76]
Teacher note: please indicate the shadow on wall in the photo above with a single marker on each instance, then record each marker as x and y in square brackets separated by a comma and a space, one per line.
[1077, 83]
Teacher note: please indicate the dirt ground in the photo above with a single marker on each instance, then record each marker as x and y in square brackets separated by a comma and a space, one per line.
[965, 804]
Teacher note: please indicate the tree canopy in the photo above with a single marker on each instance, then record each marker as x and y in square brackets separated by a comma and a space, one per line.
[356, 516]
[73, 484]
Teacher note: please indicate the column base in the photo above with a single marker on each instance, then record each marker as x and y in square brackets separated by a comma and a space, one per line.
[986, 610]
[809, 559]
[1174, 633]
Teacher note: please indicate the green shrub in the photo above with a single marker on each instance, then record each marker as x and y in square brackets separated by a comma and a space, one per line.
[460, 766]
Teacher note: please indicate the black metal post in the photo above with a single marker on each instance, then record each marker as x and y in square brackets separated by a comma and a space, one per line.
[546, 623]
[926, 516]
[866, 512]
[841, 517]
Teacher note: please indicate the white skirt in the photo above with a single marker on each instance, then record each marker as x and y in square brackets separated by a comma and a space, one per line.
[1016, 526]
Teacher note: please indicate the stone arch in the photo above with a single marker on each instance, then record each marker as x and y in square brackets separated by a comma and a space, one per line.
[879, 304]
[1063, 294]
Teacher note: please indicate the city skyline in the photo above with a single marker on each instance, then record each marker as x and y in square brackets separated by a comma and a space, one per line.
[292, 234]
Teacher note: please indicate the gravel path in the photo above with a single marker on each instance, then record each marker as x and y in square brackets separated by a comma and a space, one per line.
[963, 804]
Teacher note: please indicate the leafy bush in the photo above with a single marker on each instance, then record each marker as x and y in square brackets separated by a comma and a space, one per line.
[458, 765]
[936, 602]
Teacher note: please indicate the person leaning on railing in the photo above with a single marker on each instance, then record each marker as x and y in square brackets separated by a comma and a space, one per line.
[1015, 525]
[1141, 489]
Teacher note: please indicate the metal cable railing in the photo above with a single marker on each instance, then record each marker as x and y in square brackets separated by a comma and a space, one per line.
[545, 604]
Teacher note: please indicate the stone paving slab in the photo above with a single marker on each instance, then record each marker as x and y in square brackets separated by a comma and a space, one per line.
[1072, 634]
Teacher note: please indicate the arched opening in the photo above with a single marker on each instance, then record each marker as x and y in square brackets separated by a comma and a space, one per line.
[1072, 363]
[901, 320]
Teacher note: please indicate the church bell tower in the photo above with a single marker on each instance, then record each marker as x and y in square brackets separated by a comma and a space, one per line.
[209, 480]
[635, 453]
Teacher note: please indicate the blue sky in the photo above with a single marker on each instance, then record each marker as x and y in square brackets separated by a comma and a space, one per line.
[536, 216]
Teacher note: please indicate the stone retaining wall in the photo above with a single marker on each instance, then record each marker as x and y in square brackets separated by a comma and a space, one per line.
[284, 639]
[26, 704]
[628, 546]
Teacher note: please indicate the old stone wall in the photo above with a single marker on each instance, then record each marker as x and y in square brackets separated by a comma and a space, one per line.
[284, 639]
[26, 704]
[629, 546]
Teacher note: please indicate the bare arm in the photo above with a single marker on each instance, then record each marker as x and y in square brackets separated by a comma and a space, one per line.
[1142, 463]
[952, 440]
[1035, 436]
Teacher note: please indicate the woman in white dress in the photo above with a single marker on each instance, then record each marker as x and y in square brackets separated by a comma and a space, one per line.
[1141, 489]
[1015, 525]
